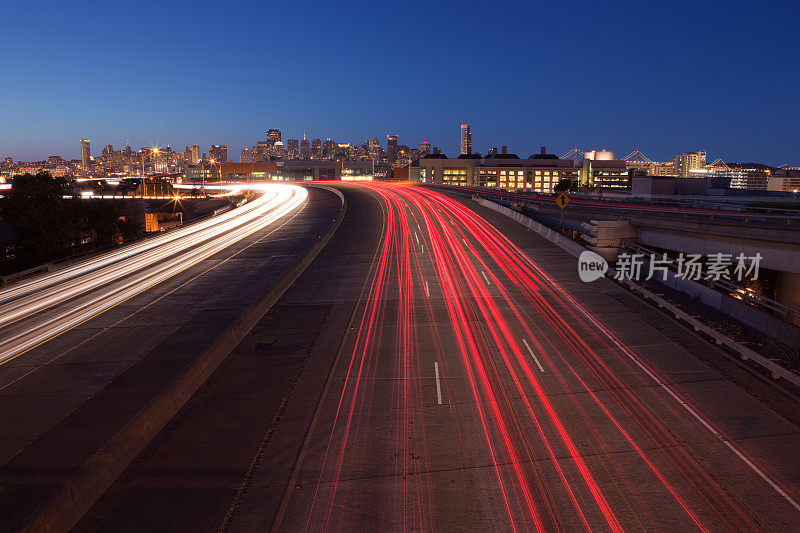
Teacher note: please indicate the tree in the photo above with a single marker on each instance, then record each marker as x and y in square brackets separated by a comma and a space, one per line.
[563, 185]
[36, 209]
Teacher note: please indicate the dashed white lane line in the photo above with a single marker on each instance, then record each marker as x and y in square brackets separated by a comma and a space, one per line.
[427, 290]
[438, 384]
[533, 355]
[485, 278]
[416, 237]
[677, 398]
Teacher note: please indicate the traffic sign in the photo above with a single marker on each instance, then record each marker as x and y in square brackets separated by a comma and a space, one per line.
[562, 200]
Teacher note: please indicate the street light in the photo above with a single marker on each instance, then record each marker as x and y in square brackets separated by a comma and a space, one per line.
[203, 175]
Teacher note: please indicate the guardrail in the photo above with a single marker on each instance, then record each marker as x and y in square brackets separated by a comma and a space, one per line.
[789, 314]
[575, 250]
[744, 352]
[663, 209]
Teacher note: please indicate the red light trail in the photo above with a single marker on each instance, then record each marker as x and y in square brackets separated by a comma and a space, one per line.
[557, 404]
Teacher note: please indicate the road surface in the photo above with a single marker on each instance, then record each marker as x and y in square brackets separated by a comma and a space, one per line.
[61, 400]
[440, 367]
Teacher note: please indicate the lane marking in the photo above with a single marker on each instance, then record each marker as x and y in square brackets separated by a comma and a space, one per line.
[533, 355]
[438, 384]
[427, 291]
[669, 391]
[485, 278]
[416, 237]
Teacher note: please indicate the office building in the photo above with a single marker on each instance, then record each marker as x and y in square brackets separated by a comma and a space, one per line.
[278, 150]
[195, 157]
[305, 149]
[424, 148]
[328, 149]
[391, 149]
[316, 149]
[292, 149]
[273, 136]
[601, 169]
[246, 155]
[218, 153]
[466, 140]
[689, 164]
[86, 154]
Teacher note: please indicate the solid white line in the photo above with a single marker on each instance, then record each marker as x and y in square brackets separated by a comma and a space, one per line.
[696, 415]
[484, 277]
[438, 385]
[533, 355]
[427, 291]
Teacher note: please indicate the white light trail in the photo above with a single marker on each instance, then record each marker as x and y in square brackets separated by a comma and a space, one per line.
[35, 311]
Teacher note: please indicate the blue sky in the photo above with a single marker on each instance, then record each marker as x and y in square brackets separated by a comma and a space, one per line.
[663, 77]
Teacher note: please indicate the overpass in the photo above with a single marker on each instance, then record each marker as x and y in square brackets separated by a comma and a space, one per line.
[774, 233]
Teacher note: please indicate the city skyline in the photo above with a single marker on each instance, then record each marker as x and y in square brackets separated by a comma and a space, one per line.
[656, 82]
[97, 148]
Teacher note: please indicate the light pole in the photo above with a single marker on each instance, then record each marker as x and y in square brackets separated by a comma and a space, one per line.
[203, 174]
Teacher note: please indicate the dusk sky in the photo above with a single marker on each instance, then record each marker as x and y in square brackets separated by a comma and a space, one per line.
[663, 77]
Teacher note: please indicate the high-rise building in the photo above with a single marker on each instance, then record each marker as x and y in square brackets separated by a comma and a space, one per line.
[374, 149]
[292, 149]
[316, 149]
[305, 149]
[273, 136]
[218, 153]
[466, 140]
[195, 156]
[328, 149]
[687, 164]
[391, 149]
[262, 152]
[246, 156]
[278, 150]
[424, 148]
[86, 154]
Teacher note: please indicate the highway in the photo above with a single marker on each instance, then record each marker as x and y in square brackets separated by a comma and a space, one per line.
[64, 398]
[34, 311]
[440, 367]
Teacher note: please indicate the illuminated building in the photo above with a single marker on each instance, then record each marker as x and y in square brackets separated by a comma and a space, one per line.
[249, 171]
[86, 154]
[246, 155]
[466, 140]
[278, 150]
[438, 168]
[218, 153]
[273, 136]
[689, 164]
[786, 180]
[424, 148]
[601, 169]
[305, 149]
[328, 149]
[538, 173]
[292, 148]
[195, 156]
[316, 149]
[391, 149]
[262, 151]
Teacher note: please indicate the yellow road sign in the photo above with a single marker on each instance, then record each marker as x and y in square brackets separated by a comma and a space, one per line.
[562, 200]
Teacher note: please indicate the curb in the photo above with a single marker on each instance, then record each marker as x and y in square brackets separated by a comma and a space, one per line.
[95, 477]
